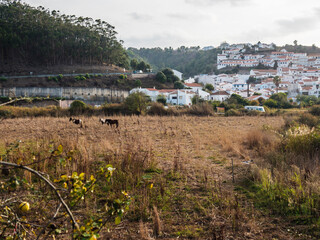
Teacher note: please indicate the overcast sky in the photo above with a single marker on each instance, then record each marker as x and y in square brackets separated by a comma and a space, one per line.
[165, 23]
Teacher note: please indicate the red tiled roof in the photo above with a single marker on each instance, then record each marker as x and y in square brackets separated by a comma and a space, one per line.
[151, 89]
[220, 93]
[192, 85]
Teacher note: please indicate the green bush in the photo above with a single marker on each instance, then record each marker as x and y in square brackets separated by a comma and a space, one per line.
[271, 103]
[80, 77]
[77, 107]
[233, 112]
[122, 76]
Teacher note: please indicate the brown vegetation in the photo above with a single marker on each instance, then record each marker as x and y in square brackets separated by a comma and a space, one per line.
[177, 170]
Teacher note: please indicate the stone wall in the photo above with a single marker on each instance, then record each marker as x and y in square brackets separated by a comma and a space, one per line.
[80, 93]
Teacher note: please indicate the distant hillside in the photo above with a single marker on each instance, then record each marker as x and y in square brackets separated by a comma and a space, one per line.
[300, 48]
[189, 61]
[121, 82]
[32, 36]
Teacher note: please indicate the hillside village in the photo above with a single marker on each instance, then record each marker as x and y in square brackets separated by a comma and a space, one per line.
[298, 73]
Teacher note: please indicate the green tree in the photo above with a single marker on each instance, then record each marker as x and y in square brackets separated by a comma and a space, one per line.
[170, 75]
[162, 99]
[209, 87]
[271, 103]
[142, 66]
[49, 38]
[137, 102]
[178, 85]
[237, 99]
[134, 63]
[160, 77]
[138, 83]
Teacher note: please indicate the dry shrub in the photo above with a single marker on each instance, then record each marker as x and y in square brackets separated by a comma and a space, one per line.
[173, 111]
[261, 141]
[157, 109]
[315, 110]
[309, 120]
[202, 109]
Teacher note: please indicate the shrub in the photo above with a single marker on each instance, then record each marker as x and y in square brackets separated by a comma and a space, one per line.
[157, 109]
[253, 113]
[80, 77]
[254, 103]
[77, 107]
[160, 77]
[202, 109]
[3, 79]
[5, 113]
[4, 99]
[122, 76]
[309, 120]
[233, 112]
[315, 110]
[271, 103]
[260, 140]
[162, 99]
[138, 83]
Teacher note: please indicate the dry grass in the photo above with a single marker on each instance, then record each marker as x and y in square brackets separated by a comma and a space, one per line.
[195, 191]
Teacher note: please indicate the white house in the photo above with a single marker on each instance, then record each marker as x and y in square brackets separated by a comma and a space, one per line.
[177, 73]
[181, 97]
[189, 80]
[151, 92]
[238, 86]
[219, 96]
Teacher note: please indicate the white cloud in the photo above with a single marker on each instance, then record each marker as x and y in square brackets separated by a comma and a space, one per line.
[165, 23]
[212, 2]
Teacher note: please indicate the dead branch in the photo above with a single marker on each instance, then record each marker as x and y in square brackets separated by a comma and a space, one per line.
[49, 183]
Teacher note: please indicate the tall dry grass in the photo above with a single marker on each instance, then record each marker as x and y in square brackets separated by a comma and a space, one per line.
[173, 162]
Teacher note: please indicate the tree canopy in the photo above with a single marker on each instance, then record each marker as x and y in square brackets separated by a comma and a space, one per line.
[37, 36]
[190, 61]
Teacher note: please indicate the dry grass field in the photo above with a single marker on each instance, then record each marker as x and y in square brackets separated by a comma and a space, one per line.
[195, 156]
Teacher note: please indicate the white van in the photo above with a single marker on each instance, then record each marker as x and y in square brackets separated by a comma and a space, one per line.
[256, 108]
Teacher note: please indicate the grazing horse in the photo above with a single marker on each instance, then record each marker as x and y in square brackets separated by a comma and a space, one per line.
[109, 122]
[76, 121]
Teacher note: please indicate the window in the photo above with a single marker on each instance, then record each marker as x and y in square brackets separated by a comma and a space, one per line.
[174, 97]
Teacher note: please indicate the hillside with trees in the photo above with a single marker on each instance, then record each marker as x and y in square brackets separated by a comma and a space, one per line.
[32, 36]
[188, 60]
